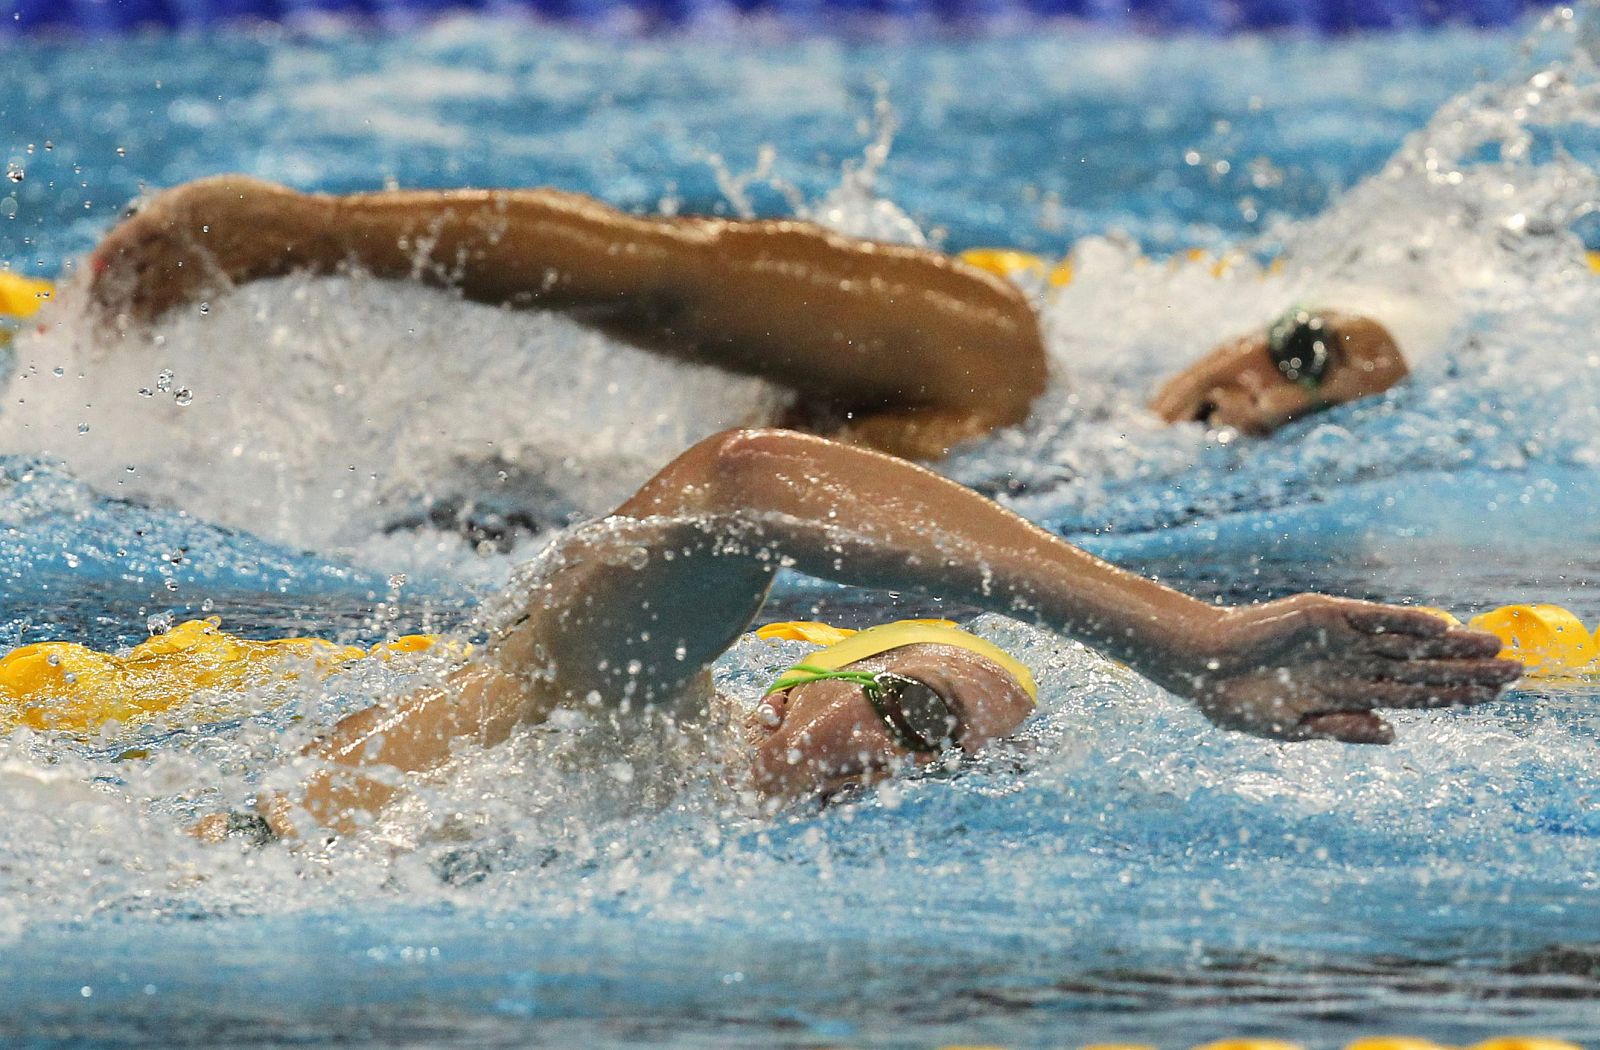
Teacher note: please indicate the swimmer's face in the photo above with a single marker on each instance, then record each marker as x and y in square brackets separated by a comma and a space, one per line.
[1240, 385]
[828, 734]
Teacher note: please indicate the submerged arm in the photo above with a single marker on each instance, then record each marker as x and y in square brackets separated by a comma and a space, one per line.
[929, 349]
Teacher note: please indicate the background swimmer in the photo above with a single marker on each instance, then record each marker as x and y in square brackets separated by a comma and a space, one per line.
[635, 607]
[895, 348]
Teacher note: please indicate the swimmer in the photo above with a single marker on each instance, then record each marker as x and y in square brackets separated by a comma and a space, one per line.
[639, 604]
[899, 349]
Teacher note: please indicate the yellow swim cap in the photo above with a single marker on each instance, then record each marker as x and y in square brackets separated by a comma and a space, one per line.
[845, 646]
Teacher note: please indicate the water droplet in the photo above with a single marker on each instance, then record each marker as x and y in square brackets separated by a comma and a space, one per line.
[172, 585]
[164, 380]
[207, 605]
[15, 172]
[158, 623]
[397, 580]
[49, 145]
[58, 371]
[145, 391]
[121, 152]
[205, 308]
[83, 428]
[184, 396]
[8, 207]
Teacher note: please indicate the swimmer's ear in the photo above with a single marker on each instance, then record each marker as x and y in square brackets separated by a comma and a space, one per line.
[1348, 727]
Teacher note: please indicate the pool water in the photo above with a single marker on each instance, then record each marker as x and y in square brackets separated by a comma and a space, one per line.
[1120, 870]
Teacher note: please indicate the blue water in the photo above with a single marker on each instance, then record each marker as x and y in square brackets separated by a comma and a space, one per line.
[1120, 870]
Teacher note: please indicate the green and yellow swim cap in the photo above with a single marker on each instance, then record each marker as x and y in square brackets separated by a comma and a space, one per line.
[844, 646]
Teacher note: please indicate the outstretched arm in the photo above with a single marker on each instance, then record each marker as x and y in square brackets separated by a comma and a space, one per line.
[917, 349]
[638, 605]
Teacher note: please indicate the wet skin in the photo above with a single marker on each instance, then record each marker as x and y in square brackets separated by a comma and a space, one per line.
[1239, 385]
[822, 736]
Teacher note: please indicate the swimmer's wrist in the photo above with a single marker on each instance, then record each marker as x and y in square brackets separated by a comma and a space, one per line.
[1191, 639]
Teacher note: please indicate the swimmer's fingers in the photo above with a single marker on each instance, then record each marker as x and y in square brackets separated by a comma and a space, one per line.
[1452, 645]
[137, 273]
[1362, 693]
[1487, 672]
[1371, 618]
[1347, 727]
[1487, 682]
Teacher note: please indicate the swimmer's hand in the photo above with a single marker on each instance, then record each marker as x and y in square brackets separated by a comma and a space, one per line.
[270, 822]
[1313, 667]
[201, 237]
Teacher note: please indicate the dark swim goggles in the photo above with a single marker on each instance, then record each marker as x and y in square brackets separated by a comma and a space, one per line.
[1300, 343]
[913, 712]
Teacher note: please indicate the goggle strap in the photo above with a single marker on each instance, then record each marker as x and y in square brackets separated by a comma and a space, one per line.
[805, 674]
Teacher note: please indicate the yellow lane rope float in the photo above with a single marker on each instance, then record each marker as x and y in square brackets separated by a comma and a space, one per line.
[21, 297]
[1547, 639]
[68, 687]
[1381, 1042]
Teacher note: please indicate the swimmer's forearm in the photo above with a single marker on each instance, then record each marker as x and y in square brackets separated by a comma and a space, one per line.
[541, 248]
[871, 520]
[366, 752]
[848, 321]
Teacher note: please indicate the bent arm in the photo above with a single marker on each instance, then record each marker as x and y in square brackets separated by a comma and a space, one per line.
[636, 607]
[860, 327]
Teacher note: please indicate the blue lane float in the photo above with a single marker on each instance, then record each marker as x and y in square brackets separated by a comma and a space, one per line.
[1205, 16]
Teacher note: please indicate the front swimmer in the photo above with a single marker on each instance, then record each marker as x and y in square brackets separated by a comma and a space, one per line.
[635, 608]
